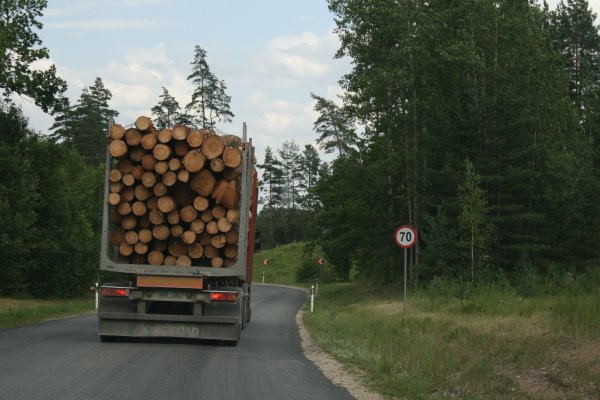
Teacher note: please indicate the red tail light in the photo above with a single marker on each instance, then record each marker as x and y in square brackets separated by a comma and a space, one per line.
[114, 292]
[223, 296]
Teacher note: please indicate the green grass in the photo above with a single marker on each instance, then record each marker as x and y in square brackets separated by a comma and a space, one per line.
[15, 312]
[284, 261]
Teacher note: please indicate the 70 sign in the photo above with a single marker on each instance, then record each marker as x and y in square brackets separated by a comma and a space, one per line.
[405, 236]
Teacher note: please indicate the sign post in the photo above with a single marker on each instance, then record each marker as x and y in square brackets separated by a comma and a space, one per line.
[266, 264]
[320, 262]
[405, 237]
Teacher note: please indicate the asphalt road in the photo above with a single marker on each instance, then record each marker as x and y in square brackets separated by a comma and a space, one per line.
[64, 359]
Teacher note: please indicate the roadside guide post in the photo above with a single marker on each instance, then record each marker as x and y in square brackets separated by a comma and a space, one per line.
[266, 264]
[405, 237]
[320, 262]
[312, 298]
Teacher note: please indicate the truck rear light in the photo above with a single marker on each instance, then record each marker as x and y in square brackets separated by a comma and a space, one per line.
[115, 292]
[223, 296]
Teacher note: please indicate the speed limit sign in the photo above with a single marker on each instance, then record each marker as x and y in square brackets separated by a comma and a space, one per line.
[405, 236]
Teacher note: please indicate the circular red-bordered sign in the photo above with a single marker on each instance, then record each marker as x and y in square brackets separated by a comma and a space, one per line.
[405, 236]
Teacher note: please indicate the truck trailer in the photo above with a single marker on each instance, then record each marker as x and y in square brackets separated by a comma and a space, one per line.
[160, 292]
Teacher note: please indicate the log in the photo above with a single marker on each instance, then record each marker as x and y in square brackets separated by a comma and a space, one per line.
[231, 251]
[183, 260]
[128, 179]
[195, 250]
[183, 195]
[145, 235]
[174, 164]
[204, 239]
[161, 167]
[169, 260]
[176, 231]
[188, 213]
[133, 137]
[148, 179]
[156, 217]
[164, 135]
[179, 132]
[217, 164]
[194, 161]
[144, 124]
[141, 192]
[161, 232]
[131, 237]
[124, 165]
[232, 236]
[159, 189]
[226, 193]
[137, 171]
[176, 247]
[117, 148]
[229, 262]
[200, 203]
[197, 226]
[206, 215]
[115, 175]
[114, 199]
[169, 178]
[183, 175]
[188, 237]
[116, 236]
[159, 245]
[115, 187]
[136, 153]
[212, 227]
[233, 215]
[148, 162]
[210, 251]
[138, 208]
[127, 193]
[203, 182]
[181, 148]
[216, 262]
[148, 141]
[124, 208]
[140, 248]
[194, 138]
[152, 203]
[155, 257]
[232, 157]
[116, 131]
[114, 216]
[212, 147]
[122, 260]
[173, 217]
[161, 151]
[125, 249]
[224, 225]
[166, 204]
[218, 212]
[218, 241]
[144, 222]
[231, 173]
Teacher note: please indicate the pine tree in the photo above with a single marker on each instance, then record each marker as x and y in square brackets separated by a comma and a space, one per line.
[334, 126]
[168, 112]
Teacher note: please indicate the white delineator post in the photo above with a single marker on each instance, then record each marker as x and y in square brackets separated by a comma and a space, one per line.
[312, 298]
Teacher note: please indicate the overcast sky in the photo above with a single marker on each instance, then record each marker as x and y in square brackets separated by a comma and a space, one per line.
[271, 54]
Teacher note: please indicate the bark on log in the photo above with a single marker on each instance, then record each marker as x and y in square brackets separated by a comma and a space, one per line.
[226, 193]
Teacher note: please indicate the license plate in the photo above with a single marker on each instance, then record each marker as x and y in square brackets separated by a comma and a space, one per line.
[170, 294]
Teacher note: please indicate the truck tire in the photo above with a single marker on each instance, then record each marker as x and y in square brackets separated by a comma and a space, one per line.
[107, 339]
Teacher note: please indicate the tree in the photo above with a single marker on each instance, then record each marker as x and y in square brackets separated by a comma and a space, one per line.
[168, 112]
[474, 228]
[289, 154]
[20, 49]
[335, 127]
[310, 163]
[271, 184]
[209, 99]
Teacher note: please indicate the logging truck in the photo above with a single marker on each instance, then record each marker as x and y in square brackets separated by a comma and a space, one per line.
[177, 232]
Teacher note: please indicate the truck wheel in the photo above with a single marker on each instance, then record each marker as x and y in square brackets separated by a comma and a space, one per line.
[107, 339]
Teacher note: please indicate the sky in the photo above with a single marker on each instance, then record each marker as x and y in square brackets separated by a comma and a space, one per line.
[271, 54]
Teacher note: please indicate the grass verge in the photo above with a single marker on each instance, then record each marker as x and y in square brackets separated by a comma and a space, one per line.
[15, 312]
[494, 344]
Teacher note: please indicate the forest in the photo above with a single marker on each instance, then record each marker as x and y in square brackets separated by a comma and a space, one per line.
[475, 121]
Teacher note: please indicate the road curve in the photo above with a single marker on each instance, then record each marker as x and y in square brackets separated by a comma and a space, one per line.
[64, 359]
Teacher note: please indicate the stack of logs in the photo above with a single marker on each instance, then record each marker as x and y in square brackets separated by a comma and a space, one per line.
[174, 195]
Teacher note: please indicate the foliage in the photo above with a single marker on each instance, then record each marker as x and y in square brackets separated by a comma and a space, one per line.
[168, 112]
[209, 100]
[20, 50]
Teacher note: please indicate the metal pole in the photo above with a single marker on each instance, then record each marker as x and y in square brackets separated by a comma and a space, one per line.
[317, 288]
[96, 295]
[312, 298]
[405, 280]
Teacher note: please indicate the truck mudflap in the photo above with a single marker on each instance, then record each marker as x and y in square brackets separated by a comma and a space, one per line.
[119, 324]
